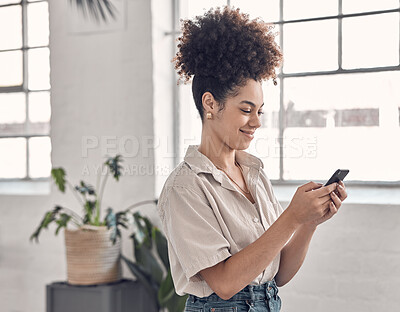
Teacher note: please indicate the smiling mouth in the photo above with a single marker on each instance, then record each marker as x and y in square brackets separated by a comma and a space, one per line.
[248, 134]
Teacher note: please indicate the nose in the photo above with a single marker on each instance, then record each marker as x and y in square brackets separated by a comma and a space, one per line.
[256, 122]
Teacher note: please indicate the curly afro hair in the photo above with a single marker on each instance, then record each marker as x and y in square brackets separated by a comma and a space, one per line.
[222, 49]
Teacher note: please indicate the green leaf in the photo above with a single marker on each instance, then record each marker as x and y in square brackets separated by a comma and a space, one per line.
[149, 229]
[140, 234]
[162, 246]
[99, 10]
[48, 218]
[62, 221]
[111, 222]
[144, 231]
[58, 175]
[85, 189]
[115, 167]
[166, 290]
[122, 220]
[147, 261]
[176, 303]
[146, 234]
[89, 207]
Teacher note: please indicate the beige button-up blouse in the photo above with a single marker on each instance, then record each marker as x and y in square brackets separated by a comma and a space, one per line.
[206, 219]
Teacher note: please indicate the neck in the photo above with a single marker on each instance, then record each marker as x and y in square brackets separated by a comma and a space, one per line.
[220, 154]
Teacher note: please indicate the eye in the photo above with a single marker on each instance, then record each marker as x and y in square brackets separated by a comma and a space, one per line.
[248, 112]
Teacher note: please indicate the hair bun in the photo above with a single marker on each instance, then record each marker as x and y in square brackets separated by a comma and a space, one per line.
[225, 44]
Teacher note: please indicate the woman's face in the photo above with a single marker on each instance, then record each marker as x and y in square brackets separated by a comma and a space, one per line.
[236, 123]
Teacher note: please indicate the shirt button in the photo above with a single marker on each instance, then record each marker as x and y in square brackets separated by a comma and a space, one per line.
[255, 219]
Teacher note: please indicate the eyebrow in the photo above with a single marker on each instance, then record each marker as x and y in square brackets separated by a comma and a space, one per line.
[250, 103]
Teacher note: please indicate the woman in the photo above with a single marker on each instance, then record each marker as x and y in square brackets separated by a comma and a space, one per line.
[230, 242]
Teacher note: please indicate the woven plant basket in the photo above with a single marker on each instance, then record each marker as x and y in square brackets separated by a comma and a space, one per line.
[91, 256]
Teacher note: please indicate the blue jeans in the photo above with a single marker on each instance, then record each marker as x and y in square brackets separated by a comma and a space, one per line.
[252, 298]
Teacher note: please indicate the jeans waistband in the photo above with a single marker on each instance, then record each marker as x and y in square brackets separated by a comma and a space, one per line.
[251, 292]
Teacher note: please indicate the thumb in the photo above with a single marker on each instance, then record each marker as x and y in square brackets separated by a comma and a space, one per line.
[310, 186]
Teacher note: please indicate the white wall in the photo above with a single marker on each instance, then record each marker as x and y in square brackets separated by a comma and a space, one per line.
[164, 78]
[353, 263]
[102, 85]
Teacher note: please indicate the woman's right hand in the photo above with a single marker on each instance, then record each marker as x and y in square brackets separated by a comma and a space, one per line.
[310, 202]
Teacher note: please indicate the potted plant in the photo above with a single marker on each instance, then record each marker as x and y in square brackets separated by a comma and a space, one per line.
[148, 241]
[93, 248]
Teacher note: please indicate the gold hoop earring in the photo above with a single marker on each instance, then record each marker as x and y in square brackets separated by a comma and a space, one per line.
[209, 115]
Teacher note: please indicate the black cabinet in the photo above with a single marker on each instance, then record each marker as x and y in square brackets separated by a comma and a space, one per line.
[123, 296]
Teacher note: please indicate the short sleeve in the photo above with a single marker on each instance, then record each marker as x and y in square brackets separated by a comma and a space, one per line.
[193, 231]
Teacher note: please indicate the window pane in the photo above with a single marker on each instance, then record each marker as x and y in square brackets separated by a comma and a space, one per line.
[265, 144]
[11, 68]
[310, 46]
[271, 103]
[192, 8]
[9, 1]
[371, 41]
[267, 10]
[13, 158]
[38, 69]
[12, 108]
[350, 119]
[295, 9]
[356, 6]
[190, 121]
[39, 157]
[10, 27]
[39, 107]
[38, 24]
[377, 91]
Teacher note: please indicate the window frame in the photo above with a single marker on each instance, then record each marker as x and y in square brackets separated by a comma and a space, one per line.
[340, 16]
[282, 76]
[29, 130]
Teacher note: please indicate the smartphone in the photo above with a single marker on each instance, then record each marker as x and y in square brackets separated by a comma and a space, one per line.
[338, 175]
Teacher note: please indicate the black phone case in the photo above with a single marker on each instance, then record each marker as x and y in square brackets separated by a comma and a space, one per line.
[339, 174]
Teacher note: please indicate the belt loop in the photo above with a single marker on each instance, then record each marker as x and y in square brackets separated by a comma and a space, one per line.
[275, 289]
[192, 298]
[267, 289]
[251, 290]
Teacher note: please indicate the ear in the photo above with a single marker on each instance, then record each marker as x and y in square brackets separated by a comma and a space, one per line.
[209, 103]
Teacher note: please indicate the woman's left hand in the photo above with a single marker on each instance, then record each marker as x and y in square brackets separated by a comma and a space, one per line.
[337, 197]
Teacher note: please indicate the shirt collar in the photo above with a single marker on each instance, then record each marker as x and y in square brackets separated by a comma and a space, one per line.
[199, 162]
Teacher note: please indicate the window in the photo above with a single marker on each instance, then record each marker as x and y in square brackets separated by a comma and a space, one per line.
[24, 90]
[337, 102]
